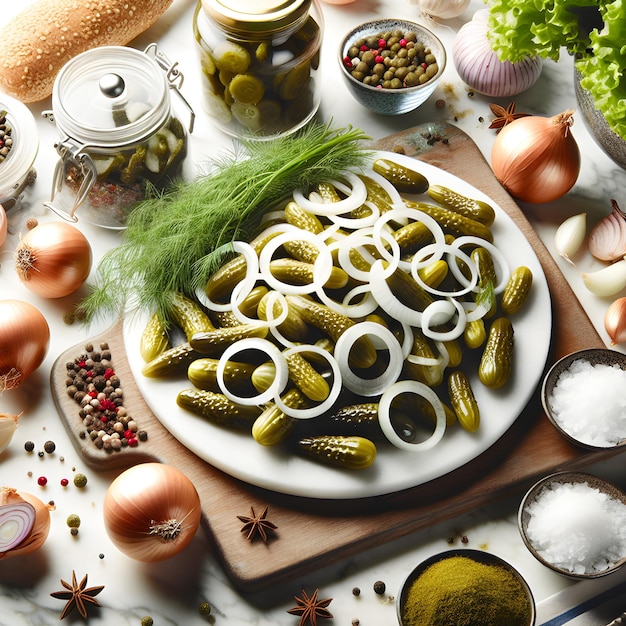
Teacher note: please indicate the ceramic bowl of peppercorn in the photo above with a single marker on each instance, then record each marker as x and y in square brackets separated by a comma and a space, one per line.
[465, 586]
[391, 66]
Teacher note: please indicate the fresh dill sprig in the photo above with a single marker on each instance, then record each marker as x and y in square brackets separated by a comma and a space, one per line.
[174, 240]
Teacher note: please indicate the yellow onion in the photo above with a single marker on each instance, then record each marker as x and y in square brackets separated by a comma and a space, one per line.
[24, 339]
[615, 321]
[3, 225]
[151, 511]
[53, 259]
[537, 159]
[24, 522]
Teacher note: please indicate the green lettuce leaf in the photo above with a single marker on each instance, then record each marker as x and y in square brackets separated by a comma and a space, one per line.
[544, 28]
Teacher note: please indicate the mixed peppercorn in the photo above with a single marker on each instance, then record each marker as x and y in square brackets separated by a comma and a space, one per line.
[391, 60]
[6, 141]
[94, 385]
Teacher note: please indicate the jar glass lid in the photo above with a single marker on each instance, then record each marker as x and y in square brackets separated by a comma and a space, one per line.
[270, 17]
[25, 143]
[110, 96]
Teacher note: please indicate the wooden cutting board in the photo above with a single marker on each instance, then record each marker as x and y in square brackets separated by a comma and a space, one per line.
[312, 533]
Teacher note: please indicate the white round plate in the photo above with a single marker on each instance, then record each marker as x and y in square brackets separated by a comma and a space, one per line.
[240, 456]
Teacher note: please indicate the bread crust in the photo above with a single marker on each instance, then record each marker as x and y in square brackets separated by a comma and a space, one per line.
[40, 40]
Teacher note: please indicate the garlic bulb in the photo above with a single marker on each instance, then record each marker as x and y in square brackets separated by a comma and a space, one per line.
[480, 68]
[444, 9]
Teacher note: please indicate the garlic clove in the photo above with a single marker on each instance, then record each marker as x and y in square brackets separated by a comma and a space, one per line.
[608, 281]
[8, 424]
[615, 321]
[570, 235]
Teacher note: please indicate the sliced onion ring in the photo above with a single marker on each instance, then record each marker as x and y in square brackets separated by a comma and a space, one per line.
[335, 390]
[384, 415]
[368, 386]
[496, 255]
[432, 317]
[324, 257]
[388, 301]
[348, 204]
[252, 271]
[262, 345]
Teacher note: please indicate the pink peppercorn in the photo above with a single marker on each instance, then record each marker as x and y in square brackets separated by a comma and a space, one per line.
[64, 482]
[363, 48]
[132, 442]
[380, 59]
[42, 481]
[403, 43]
[129, 434]
[382, 43]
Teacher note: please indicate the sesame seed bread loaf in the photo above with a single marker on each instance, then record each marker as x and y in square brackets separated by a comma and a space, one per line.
[38, 42]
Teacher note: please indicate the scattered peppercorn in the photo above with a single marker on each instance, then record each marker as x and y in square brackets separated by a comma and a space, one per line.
[80, 480]
[356, 591]
[49, 447]
[29, 446]
[73, 520]
[450, 540]
[64, 482]
[31, 222]
[464, 539]
[379, 587]
[147, 621]
[356, 622]
[440, 103]
[42, 481]
[74, 532]
[40, 454]
[204, 609]
[101, 556]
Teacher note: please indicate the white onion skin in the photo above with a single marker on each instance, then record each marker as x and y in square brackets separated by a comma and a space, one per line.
[443, 9]
[481, 69]
[24, 340]
[53, 259]
[146, 493]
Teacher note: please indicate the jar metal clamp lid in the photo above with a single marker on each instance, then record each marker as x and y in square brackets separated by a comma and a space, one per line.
[106, 99]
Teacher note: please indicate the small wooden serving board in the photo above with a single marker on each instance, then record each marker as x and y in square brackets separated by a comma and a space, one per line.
[311, 532]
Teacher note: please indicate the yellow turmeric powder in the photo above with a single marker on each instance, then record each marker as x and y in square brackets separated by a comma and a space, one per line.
[460, 591]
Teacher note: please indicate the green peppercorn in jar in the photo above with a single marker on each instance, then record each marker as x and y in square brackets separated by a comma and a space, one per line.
[260, 64]
[126, 140]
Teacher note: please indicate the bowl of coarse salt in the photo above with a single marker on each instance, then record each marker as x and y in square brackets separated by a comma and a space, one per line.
[584, 396]
[575, 524]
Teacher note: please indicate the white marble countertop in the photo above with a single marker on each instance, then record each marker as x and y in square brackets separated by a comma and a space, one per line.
[172, 590]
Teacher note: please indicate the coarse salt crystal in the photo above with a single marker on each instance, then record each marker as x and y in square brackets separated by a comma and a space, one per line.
[588, 402]
[577, 527]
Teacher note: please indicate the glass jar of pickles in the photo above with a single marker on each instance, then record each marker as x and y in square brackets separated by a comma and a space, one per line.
[19, 144]
[260, 63]
[119, 136]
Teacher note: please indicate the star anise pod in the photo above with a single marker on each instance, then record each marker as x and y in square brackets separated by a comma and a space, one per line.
[311, 608]
[77, 595]
[504, 116]
[256, 524]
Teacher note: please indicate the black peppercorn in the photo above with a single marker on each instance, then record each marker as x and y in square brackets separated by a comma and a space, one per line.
[49, 447]
[29, 446]
[379, 587]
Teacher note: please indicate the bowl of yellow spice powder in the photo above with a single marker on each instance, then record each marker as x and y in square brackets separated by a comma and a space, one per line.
[465, 587]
